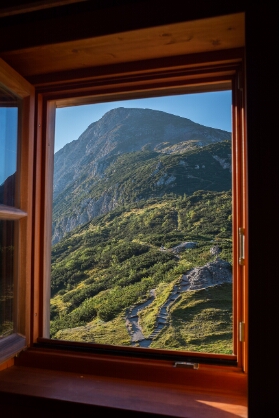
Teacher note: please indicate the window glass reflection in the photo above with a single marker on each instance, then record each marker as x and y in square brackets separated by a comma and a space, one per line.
[9, 109]
[6, 278]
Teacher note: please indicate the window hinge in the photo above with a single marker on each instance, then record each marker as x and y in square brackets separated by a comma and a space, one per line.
[241, 332]
[186, 365]
[241, 236]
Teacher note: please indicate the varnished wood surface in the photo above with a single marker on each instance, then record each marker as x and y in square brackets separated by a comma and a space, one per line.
[6, 364]
[22, 280]
[91, 19]
[14, 81]
[225, 379]
[212, 34]
[113, 394]
[191, 65]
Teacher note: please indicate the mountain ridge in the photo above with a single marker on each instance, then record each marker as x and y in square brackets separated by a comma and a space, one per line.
[98, 135]
[86, 180]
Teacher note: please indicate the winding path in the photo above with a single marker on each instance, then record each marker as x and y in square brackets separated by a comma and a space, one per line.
[132, 322]
[211, 274]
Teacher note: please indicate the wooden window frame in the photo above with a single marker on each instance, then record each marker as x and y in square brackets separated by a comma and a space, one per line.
[189, 73]
[21, 212]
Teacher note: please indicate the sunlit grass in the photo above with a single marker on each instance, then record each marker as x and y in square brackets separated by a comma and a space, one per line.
[200, 321]
[148, 316]
[97, 331]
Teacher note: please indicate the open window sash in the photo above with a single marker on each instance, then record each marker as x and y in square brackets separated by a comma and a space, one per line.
[16, 210]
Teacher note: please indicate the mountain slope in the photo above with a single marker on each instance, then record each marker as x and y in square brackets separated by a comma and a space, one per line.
[133, 154]
[108, 265]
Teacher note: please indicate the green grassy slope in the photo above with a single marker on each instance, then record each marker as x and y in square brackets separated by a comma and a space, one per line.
[111, 263]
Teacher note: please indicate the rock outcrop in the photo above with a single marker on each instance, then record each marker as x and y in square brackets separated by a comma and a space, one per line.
[211, 274]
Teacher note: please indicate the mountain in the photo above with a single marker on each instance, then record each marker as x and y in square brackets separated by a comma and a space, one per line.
[134, 154]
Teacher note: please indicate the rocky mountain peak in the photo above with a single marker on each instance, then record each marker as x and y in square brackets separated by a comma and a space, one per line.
[89, 178]
[123, 130]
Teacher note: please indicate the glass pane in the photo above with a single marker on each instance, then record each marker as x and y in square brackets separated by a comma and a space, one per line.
[6, 277]
[142, 225]
[9, 107]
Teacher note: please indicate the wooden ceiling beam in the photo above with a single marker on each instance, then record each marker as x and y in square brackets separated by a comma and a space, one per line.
[86, 20]
[162, 42]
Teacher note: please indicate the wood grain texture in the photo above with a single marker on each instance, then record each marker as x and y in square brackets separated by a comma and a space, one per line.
[84, 393]
[239, 161]
[23, 246]
[14, 81]
[38, 242]
[190, 61]
[212, 34]
[47, 231]
[26, 150]
[225, 379]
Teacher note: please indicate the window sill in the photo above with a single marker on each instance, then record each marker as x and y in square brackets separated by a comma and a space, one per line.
[39, 390]
[47, 379]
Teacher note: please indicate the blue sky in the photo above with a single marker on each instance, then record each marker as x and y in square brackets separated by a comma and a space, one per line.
[209, 109]
[8, 141]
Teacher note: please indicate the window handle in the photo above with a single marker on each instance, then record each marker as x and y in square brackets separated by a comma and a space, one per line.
[186, 365]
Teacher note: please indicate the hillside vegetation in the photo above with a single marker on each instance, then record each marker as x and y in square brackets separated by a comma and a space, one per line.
[113, 262]
[142, 234]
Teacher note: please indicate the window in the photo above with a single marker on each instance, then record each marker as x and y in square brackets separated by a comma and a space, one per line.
[108, 89]
[15, 211]
[142, 212]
